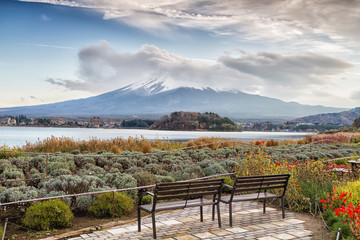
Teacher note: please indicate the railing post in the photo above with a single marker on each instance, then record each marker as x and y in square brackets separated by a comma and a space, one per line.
[316, 203]
[113, 213]
[338, 234]
[4, 230]
[47, 161]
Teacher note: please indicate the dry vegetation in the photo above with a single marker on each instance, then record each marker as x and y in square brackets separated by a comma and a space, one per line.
[118, 145]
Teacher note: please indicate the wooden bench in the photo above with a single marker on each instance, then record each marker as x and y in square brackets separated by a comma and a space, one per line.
[180, 195]
[255, 188]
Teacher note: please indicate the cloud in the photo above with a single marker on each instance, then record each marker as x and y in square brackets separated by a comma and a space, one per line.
[329, 21]
[102, 69]
[54, 46]
[44, 18]
[288, 76]
[30, 100]
[356, 96]
[304, 69]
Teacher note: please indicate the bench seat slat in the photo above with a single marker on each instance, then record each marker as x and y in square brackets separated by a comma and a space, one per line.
[249, 197]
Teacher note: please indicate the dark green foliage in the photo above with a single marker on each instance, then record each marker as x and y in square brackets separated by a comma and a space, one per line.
[194, 120]
[330, 217]
[345, 228]
[103, 205]
[137, 123]
[356, 123]
[48, 215]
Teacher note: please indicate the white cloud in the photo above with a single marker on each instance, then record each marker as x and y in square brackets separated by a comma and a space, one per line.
[102, 68]
[288, 77]
[44, 18]
[54, 46]
[331, 22]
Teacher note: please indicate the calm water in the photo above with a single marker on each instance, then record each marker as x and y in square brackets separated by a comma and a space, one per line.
[18, 136]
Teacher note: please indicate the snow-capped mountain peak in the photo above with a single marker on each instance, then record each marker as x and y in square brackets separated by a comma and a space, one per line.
[149, 86]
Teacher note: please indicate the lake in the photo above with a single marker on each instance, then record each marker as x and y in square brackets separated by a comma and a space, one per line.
[18, 136]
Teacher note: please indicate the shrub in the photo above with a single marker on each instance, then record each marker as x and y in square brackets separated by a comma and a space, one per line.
[165, 178]
[144, 178]
[4, 164]
[120, 181]
[213, 169]
[58, 169]
[81, 161]
[13, 173]
[351, 187]
[228, 181]
[21, 163]
[345, 228]
[1, 229]
[84, 202]
[72, 184]
[146, 199]
[75, 152]
[18, 193]
[48, 215]
[103, 205]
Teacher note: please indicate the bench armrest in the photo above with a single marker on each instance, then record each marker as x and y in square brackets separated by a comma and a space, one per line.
[143, 194]
[228, 186]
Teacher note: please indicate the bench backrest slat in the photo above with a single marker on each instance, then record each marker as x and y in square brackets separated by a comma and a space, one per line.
[257, 184]
[185, 189]
[187, 196]
[262, 183]
[188, 189]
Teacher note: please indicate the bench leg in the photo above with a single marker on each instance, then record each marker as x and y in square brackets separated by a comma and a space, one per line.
[213, 212]
[230, 214]
[264, 206]
[153, 224]
[139, 219]
[218, 214]
[282, 205]
[201, 214]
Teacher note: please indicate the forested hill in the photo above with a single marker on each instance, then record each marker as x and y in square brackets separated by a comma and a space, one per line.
[195, 121]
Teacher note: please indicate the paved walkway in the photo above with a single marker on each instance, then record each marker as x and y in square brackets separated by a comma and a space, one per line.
[248, 223]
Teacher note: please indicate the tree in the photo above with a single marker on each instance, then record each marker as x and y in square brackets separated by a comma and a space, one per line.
[356, 123]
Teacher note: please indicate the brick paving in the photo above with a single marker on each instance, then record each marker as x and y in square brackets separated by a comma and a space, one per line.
[248, 223]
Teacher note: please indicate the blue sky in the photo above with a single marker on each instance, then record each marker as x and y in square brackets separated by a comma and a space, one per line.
[303, 51]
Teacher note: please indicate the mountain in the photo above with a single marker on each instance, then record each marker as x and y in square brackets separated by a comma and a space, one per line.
[154, 98]
[345, 117]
